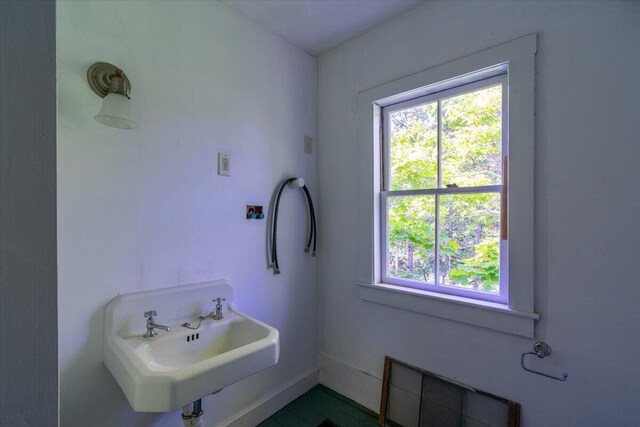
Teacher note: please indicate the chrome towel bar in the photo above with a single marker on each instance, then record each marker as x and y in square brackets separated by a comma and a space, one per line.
[541, 350]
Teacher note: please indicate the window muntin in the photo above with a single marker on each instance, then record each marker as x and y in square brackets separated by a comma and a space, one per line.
[442, 189]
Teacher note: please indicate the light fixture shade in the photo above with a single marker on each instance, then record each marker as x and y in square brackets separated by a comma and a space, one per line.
[116, 112]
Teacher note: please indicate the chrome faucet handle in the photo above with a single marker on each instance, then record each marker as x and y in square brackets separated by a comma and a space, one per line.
[217, 314]
[150, 314]
[152, 325]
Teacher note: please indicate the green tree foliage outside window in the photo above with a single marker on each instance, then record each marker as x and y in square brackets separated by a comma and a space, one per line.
[468, 224]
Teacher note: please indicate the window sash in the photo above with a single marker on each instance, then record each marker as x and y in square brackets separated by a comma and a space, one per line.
[448, 93]
[439, 97]
[446, 190]
[385, 194]
[502, 297]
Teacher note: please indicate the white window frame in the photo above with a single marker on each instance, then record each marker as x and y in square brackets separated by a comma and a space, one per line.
[484, 81]
[515, 313]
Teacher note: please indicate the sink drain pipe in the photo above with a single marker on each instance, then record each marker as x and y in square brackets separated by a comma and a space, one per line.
[192, 414]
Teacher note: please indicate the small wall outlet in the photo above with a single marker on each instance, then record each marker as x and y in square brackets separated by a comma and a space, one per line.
[254, 212]
[308, 144]
[224, 164]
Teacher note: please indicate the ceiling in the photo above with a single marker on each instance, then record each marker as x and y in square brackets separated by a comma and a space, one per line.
[318, 25]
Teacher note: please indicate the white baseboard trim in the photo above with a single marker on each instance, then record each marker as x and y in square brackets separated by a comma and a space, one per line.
[351, 382]
[259, 411]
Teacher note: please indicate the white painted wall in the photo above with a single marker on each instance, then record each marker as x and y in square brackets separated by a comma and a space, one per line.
[587, 201]
[28, 310]
[145, 209]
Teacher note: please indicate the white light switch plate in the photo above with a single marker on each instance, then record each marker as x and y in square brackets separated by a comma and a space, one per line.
[224, 164]
[308, 144]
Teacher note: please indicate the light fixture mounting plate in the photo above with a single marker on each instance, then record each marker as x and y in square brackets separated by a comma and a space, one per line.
[99, 76]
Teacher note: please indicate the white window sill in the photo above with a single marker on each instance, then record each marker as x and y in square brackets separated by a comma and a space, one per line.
[483, 314]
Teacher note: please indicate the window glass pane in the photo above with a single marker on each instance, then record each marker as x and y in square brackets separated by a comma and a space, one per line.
[469, 241]
[411, 238]
[472, 138]
[414, 147]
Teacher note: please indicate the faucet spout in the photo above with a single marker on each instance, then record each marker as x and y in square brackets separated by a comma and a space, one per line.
[163, 327]
[216, 314]
[152, 325]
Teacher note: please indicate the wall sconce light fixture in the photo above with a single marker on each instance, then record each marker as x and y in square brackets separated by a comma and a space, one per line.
[110, 82]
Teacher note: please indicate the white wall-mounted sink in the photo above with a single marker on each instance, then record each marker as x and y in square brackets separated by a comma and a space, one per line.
[171, 370]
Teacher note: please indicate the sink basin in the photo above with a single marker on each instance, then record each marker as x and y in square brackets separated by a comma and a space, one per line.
[172, 351]
[174, 368]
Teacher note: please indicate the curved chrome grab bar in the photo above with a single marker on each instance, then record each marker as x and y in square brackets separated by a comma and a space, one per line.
[541, 350]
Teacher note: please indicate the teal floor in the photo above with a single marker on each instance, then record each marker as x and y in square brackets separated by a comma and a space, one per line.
[319, 404]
